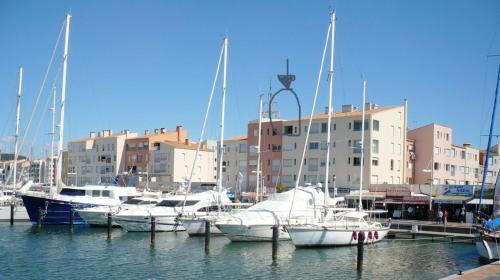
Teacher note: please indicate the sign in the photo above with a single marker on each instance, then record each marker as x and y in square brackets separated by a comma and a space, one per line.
[461, 190]
[416, 200]
[339, 191]
[397, 191]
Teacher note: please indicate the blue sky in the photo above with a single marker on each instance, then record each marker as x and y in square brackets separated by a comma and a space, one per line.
[146, 64]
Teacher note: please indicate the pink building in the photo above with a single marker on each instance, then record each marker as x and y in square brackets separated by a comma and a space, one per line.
[437, 159]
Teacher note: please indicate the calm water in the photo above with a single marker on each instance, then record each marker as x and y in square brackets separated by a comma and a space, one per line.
[55, 253]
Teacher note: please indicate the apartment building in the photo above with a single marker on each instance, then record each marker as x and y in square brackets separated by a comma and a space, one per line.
[98, 158]
[234, 163]
[493, 164]
[439, 161]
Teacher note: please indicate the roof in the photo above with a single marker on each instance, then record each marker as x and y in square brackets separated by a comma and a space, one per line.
[353, 113]
[191, 146]
[236, 139]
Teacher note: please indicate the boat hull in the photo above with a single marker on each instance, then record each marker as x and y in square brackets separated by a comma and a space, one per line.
[55, 212]
[252, 233]
[20, 214]
[487, 247]
[324, 237]
[196, 227]
[143, 223]
[95, 218]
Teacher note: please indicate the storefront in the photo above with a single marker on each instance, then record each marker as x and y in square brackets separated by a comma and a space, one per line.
[453, 200]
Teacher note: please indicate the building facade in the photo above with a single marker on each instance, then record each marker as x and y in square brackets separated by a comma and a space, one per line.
[234, 163]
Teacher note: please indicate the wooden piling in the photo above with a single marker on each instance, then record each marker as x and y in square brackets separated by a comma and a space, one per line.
[153, 230]
[361, 243]
[110, 225]
[12, 209]
[275, 241]
[40, 216]
[207, 236]
[71, 218]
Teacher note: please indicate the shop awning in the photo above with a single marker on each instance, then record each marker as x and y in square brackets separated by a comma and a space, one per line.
[451, 199]
[486, 201]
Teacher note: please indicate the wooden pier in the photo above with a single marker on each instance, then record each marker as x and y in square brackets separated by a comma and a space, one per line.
[489, 271]
[425, 229]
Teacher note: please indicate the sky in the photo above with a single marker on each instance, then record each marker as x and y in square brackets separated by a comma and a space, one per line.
[146, 64]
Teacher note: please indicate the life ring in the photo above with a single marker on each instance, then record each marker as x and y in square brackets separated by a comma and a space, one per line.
[370, 235]
[376, 235]
[354, 235]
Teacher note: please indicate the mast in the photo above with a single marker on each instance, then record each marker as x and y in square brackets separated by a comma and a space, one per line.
[52, 135]
[488, 147]
[360, 206]
[258, 151]
[330, 96]
[18, 116]
[63, 100]
[221, 143]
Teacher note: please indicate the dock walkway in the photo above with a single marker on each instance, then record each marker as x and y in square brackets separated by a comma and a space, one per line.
[489, 271]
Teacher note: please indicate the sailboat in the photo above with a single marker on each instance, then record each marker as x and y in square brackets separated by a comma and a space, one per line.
[339, 229]
[487, 243]
[188, 210]
[8, 196]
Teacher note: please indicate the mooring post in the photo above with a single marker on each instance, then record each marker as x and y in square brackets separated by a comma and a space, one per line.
[275, 241]
[153, 230]
[71, 218]
[413, 235]
[12, 209]
[39, 221]
[361, 243]
[110, 225]
[207, 236]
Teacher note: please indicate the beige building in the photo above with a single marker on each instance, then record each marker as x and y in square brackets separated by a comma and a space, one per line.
[493, 164]
[440, 161]
[234, 163]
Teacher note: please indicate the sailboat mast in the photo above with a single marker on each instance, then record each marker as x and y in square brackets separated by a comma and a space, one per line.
[63, 100]
[18, 116]
[330, 96]
[221, 143]
[258, 151]
[52, 135]
[488, 147]
[362, 147]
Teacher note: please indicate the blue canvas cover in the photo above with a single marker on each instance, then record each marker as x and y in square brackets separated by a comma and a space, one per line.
[492, 224]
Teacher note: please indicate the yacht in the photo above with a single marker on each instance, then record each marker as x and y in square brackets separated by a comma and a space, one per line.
[98, 216]
[254, 223]
[56, 209]
[168, 211]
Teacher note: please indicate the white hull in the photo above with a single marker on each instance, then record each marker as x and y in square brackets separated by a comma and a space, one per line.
[143, 223]
[95, 217]
[307, 236]
[197, 227]
[243, 233]
[20, 214]
[488, 249]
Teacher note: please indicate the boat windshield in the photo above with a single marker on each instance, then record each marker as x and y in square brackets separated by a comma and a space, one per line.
[72, 192]
[176, 203]
[132, 201]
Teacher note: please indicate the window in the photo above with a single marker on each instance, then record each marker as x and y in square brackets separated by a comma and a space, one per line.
[243, 148]
[462, 154]
[322, 163]
[452, 169]
[95, 193]
[357, 146]
[313, 179]
[252, 163]
[324, 145]
[436, 166]
[276, 165]
[437, 150]
[374, 179]
[375, 161]
[334, 126]
[276, 148]
[315, 128]
[399, 149]
[375, 144]
[348, 160]
[392, 131]
[356, 161]
[288, 129]
[357, 126]
[392, 164]
[313, 164]
[447, 167]
[324, 127]
[287, 162]
[349, 125]
[376, 125]
[399, 132]
[399, 166]
[392, 148]
[313, 145]
[287, 147]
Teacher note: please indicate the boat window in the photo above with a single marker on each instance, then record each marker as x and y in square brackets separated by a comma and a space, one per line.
[145, 202]
[132, 201]
[72, 192]
[105, 193]
[95, 193]
[174, 203]
[209, 209]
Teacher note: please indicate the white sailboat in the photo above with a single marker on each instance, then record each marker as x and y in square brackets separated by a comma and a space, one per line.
[339, 229]
[8, 197]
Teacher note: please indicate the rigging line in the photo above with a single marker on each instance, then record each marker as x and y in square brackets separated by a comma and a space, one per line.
[40, 92]
[198, 148]
[301, 165]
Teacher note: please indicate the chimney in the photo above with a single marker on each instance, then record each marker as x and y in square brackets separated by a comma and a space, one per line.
[368, 106]
[326, 110]
[179, 129]
[163, 130]
[92, 134]
[126, 131]
[146, 132]
[347, 108]
[99, 134]
[187, 142]
[466, 145]
[157, 130]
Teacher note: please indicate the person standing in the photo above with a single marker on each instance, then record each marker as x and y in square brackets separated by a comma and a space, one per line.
[439, 216]
[445, 217]
[462, 215]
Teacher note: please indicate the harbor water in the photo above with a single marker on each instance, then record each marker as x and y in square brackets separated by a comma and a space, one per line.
[53, 252]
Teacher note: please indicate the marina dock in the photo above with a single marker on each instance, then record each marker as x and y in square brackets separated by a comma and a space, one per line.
[431, 229]
[489, 271]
